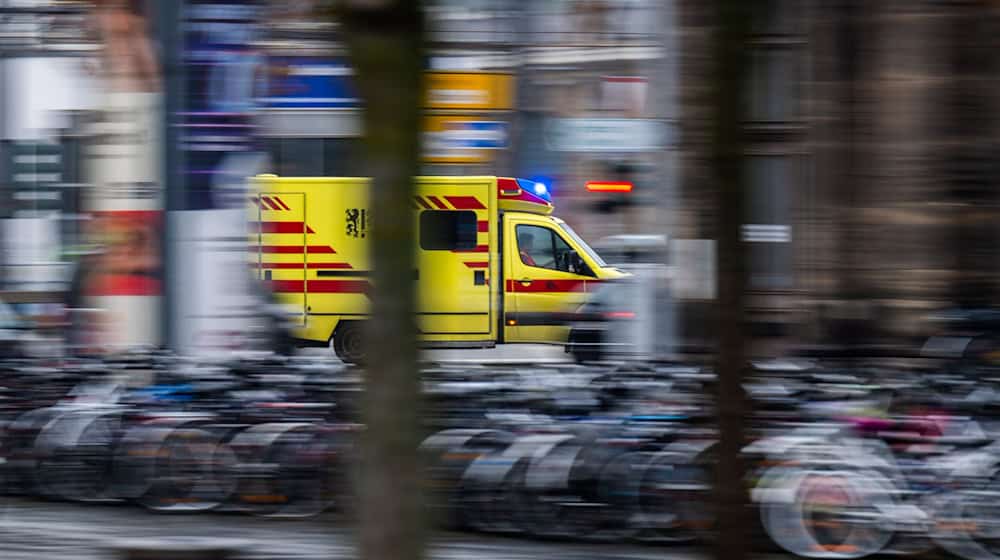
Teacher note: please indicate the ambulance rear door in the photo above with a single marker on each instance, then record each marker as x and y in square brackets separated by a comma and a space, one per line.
[455, 271]
[278, 247]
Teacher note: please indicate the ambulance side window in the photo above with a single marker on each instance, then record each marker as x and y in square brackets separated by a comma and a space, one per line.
[448, 230]
[542, 247]
[534, 245]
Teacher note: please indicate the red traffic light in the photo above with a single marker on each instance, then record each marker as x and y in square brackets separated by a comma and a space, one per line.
[609, 186]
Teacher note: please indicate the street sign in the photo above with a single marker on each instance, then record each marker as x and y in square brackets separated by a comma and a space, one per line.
[35, 163]
[222, 87]
[608, 135]
[766, 233]
[35, 180]
[479, 135]
[302, 82]
[475, 91]
[449, 139]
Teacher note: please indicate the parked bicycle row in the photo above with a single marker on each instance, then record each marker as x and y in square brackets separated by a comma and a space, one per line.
[262, 436]
[849, 462]
[844, 461]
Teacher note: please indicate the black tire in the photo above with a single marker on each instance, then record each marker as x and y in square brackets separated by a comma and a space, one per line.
[585, 346]
[348, 343]
[188, 474]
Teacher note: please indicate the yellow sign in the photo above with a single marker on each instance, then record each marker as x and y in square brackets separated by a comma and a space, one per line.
[475, 91]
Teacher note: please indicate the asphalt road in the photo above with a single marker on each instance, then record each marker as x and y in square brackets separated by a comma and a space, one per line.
[59, 531]
[502, 354]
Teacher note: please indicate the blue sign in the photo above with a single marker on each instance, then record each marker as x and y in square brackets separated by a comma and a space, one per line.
[309, 83]
[224, 75]
[478, 135]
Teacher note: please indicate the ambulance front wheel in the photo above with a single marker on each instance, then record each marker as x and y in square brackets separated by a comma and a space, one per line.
[585, 346]
[348, 343]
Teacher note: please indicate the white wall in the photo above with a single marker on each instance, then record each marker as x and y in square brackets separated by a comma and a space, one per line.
[39, 89]
[216, 310]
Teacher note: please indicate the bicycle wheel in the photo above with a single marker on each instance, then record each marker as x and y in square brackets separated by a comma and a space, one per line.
[830, 513]
[185, 475]
[306, 477]
[75, 456]
[449, 454]
[674, 502]
[967, 522]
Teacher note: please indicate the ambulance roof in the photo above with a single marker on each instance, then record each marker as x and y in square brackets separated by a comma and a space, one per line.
[514, 195]
[519, 195]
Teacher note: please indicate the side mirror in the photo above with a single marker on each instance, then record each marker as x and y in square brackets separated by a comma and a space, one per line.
[579, 265]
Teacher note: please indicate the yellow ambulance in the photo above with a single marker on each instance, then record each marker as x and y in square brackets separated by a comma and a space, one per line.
[493, 264]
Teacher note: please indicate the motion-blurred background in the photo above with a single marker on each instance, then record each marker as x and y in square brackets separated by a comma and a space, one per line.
[818, 174]
[870, 148]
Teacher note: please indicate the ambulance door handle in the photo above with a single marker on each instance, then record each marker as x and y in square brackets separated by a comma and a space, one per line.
[525, 281]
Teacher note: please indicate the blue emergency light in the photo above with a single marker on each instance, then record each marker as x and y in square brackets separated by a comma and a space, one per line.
[537, 187]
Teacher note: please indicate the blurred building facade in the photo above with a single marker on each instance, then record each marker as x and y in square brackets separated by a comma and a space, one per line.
[871, 140]
[871, 134]
[46, 96]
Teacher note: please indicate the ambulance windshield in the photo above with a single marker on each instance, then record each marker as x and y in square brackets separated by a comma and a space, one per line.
[583, 245]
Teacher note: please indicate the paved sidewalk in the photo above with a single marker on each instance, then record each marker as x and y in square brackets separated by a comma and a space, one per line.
[58, 531]
[502, 354]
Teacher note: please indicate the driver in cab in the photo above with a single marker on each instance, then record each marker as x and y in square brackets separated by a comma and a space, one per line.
[525, 244]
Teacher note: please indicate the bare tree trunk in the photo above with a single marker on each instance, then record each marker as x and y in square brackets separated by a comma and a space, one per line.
[385, 40]
[848, 36]
[970, 165]
[731, 43]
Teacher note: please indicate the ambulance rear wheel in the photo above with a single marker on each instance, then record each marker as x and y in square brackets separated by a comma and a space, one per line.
[348, 343]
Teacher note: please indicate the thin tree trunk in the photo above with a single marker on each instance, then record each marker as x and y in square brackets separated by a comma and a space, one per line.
[385, 41]
[731, 44]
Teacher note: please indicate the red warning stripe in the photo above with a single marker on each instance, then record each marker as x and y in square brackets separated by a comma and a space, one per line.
[298, 265]
[292, 249]
[280, 227]
[483, 225]
[321, 287]
[270, 203]
[423, 202]
[437, 202]
[465, 202]
[476, 249]
[477, 264]
[282, 203]
[554, 286]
